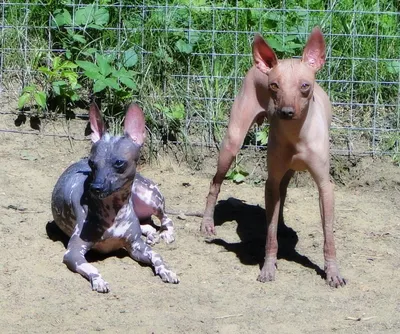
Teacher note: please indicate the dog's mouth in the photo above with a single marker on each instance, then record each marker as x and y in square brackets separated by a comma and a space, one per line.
[286, 117]
[286, 113]
[104, 194]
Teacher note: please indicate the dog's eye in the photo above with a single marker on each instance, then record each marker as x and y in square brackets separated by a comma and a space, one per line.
[120, 165]
[305, 86]
[274, 86]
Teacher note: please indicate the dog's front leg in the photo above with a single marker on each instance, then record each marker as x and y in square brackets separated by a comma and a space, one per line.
[278, 178]
[141, 252]
[326, 203]
[75, 260]
[272, 203]
[246, 110]
[167, 227]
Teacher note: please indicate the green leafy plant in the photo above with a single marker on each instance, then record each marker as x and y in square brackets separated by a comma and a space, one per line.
[237, 174]
[62, 79]
[110, 77]
[390, 143]
[30, 95]
[194, 46]
[59, 89]
[396, 159]
[91, 19]
[262, 136]
[170, 122]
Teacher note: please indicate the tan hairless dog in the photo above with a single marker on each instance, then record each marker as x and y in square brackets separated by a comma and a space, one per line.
[299, 113]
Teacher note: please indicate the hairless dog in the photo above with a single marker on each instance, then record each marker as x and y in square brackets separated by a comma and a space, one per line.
[299, 114]
[99, 202]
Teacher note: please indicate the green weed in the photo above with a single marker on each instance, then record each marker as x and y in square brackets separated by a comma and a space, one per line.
[237, 174]
[185, 56]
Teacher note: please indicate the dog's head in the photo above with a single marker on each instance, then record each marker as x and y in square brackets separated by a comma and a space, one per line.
[290, 81]
[113, 159]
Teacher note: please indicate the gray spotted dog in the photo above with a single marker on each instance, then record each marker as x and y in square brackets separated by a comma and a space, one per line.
[100, 202]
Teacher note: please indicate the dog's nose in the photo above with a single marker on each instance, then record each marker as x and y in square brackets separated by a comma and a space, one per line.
[96, 188]
[287, 112]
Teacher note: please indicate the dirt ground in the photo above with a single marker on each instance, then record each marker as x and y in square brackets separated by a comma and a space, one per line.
[218, 292]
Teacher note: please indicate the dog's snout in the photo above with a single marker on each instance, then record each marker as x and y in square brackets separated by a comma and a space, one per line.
[287, 112]
[97, 188]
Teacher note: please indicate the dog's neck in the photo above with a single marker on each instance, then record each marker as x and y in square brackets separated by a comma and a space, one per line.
[110, 206]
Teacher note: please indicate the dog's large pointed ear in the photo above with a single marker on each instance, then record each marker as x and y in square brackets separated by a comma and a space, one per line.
[96, 122]
[134, 125]
[263, 55]
[314, 51]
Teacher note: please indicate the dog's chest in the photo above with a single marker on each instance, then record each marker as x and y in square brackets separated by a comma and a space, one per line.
[118, 230]
[298, 161]
[117, 222]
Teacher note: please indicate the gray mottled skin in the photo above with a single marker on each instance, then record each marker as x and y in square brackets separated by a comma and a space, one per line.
[93, 202]
[147, 201]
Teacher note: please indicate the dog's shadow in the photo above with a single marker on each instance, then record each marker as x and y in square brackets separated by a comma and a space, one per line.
[252, 231]
[55, 234]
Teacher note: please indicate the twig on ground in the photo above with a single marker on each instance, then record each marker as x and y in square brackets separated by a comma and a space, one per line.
[229, 316]
[20, 209]
[360, 318]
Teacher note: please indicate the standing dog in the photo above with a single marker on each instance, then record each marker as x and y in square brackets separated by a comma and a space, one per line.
[299, 113]
[98, 201]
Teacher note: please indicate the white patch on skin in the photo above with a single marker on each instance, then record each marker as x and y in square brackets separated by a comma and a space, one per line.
[145, 196]
[87, 269]
[118, 231]
[147, 229]
[136, 245]
[74, 185]
[83, 251]
[76, 231]
[121, 223]
[146, 253]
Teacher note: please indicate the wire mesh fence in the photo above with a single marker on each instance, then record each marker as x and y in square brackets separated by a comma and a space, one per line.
[186, 60]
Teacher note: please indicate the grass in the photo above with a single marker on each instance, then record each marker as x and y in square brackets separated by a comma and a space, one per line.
[191, 54]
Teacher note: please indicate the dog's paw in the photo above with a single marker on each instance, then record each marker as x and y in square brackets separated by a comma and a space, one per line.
[152, 239]
[333, 277]
[168, 276]
[167, 236]
[267, 273]
[207, 227]
[99, 285]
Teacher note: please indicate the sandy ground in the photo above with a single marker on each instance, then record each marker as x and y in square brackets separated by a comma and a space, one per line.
[218, 292]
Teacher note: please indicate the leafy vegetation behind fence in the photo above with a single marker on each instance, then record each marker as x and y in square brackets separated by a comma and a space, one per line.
[181, 59]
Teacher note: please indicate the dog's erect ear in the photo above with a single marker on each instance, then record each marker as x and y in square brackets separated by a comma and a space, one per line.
[134, 125]
[314, 51]
[263, 55]
[96, 122]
